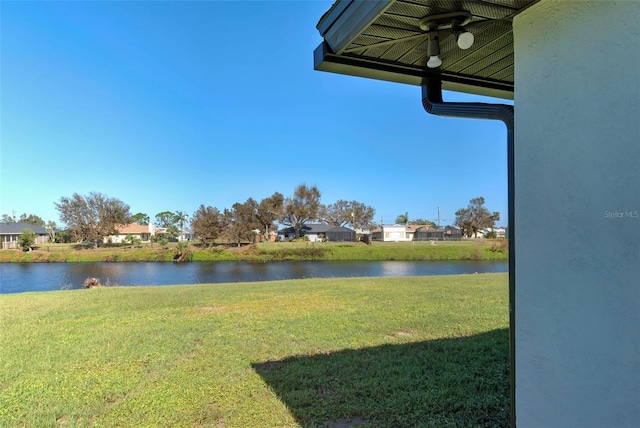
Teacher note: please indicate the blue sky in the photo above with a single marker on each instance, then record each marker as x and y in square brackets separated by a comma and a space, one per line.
[169, 105]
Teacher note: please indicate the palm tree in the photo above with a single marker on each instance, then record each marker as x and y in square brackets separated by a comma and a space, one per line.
[402, 218]
[181, 218]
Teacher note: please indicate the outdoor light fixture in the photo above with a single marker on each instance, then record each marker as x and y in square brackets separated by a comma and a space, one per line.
[453, 21]
[464, 39]
[433, 50]
[434, 62]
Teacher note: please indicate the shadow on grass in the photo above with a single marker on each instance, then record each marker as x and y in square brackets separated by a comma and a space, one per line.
[438, 383]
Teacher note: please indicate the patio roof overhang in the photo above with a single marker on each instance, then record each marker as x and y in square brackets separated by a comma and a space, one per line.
[384, 40]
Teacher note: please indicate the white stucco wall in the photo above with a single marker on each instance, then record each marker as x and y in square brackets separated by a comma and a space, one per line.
[394, 233]
[577, 206]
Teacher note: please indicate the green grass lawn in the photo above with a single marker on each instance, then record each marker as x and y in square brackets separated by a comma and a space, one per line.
[379, 352]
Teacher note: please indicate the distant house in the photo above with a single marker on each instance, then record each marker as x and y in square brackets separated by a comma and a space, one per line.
[479, 234]
[430, 233]
[10, 233]
[142, 232]
[410, 231]
[501, 232]
[183, 234]
[402, 233]
[392, 233]
[319, 233]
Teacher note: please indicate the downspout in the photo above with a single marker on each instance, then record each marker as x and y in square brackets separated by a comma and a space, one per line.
[433, 104]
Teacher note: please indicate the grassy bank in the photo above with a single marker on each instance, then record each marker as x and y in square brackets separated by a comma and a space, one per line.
[383, 352]
[463, 250]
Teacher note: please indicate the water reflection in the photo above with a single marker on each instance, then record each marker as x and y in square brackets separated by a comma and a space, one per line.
[17, 277]
[396, 269]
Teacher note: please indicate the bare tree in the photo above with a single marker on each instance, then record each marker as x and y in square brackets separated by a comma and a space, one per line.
[475, 217]
[302, 207]
[206, 224]
[51, 230]
[94, 216]
[269, 210]
[342, 212]
[361, 215]
[336, 214]
[242, 221]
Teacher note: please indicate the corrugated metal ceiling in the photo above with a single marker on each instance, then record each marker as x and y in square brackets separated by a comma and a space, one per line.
[387, 37]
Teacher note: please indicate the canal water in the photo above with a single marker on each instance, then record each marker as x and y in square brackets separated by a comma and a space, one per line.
[22, 277]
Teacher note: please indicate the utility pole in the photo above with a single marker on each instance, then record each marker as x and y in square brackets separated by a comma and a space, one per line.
[438, 218]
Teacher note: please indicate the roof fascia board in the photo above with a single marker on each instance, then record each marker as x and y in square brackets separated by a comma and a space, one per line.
[347, 19]
[477, 90]
[324, 60]
[330, 16]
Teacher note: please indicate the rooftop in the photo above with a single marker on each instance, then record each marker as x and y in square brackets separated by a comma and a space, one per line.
[17, 228]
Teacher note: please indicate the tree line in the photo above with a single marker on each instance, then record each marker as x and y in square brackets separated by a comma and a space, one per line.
[24, 218]
[94, 216]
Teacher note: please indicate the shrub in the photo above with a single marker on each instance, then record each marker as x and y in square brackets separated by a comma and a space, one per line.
[27, 239]
[132, 240]
[309, 253]
[182, 252]
[500, 246]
